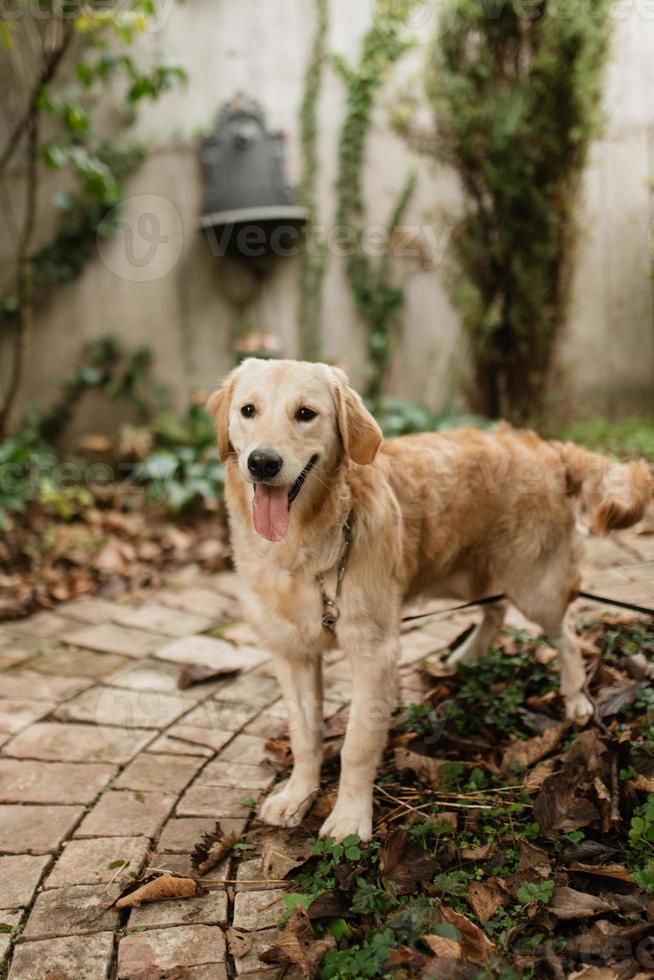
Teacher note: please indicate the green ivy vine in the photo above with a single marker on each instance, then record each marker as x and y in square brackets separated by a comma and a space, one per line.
[120, 374]
[312, 247]
[376, 297]
[81, 220]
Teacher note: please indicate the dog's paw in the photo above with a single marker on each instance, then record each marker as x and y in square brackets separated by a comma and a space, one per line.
[349, 818]
[578, 708]
[287, 807]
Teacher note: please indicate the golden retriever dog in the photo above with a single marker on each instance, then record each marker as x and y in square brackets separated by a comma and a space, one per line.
[317, 497]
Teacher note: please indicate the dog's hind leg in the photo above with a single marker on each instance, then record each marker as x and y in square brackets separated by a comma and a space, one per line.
[545, 601]
[478, 644]
[573, 673]
[300, 678]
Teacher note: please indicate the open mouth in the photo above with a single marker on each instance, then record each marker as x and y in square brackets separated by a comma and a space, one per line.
[271, 505]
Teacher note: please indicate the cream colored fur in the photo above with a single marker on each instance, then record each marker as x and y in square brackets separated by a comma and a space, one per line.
[459, 514]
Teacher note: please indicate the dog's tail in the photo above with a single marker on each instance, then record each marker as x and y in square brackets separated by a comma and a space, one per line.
[615, 495]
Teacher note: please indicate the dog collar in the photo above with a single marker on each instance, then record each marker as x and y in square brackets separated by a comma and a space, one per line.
[330, 610]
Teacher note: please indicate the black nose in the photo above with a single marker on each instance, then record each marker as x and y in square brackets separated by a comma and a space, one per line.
[263, 464]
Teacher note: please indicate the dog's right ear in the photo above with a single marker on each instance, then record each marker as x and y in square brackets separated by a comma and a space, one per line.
[219, 405]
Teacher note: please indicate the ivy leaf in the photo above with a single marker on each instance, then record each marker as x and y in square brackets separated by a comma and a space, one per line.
[340, 929]
[76, 118]
[64, 201]
[85, 73]
[531, 891]
[158, 466]
[45, 99]
[54, 155]
[295, 900]
[645, 878]
[6, 35]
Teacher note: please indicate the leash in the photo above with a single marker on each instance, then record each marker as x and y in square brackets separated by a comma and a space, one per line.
[488, 601]
[605, 600]
[330, 608]
[618, 603]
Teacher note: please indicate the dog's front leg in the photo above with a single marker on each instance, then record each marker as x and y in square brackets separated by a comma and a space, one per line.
[300, 678]
[374, 668]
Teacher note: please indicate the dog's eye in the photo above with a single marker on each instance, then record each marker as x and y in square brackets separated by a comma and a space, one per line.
[248, 411]
[305, 414]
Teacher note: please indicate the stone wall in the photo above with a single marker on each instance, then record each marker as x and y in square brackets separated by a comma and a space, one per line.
[181, 303]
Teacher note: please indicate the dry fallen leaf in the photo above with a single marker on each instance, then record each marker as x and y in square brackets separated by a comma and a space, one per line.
[568, 903]
[640, 667]
[240, 943]
[535, 779]
[594, 973]
[405, 863]
[95, 443]
[588, 751]
[485, 897]
[611, 699]
[298, 945]
[282, 853]
[476, 853]
[589, 851]
[157, 888]
[645, 784]
[562, 805]
[329, 904]
[211, 849]
[438, 669]
[535, 859]
[475, 944]
[192, 674]
[279, 752]
[527, 753]
[440, 946]
[404, 958]
[426, 768]
[604, 937]
[615, 871]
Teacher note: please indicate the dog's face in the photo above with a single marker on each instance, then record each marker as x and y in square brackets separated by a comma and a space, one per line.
[286, 423]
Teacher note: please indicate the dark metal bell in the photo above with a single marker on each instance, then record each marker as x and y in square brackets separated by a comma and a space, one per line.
[249, 209]
[330, 615]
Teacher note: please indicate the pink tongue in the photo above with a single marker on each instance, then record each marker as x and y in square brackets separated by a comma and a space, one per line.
[270, 511]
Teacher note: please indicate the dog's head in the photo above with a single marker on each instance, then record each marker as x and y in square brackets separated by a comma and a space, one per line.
[286, 424]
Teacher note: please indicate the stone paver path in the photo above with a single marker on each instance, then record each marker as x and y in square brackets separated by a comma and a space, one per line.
[106, 768]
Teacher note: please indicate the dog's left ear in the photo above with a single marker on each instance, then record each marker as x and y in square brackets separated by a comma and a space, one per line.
[219, 405]
[361, 435]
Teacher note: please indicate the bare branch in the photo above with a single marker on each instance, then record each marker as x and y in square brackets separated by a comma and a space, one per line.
[24, 276]
[50, 67]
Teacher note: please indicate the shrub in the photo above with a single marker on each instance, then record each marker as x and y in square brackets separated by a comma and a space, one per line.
[516, 88]
[183, 470]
